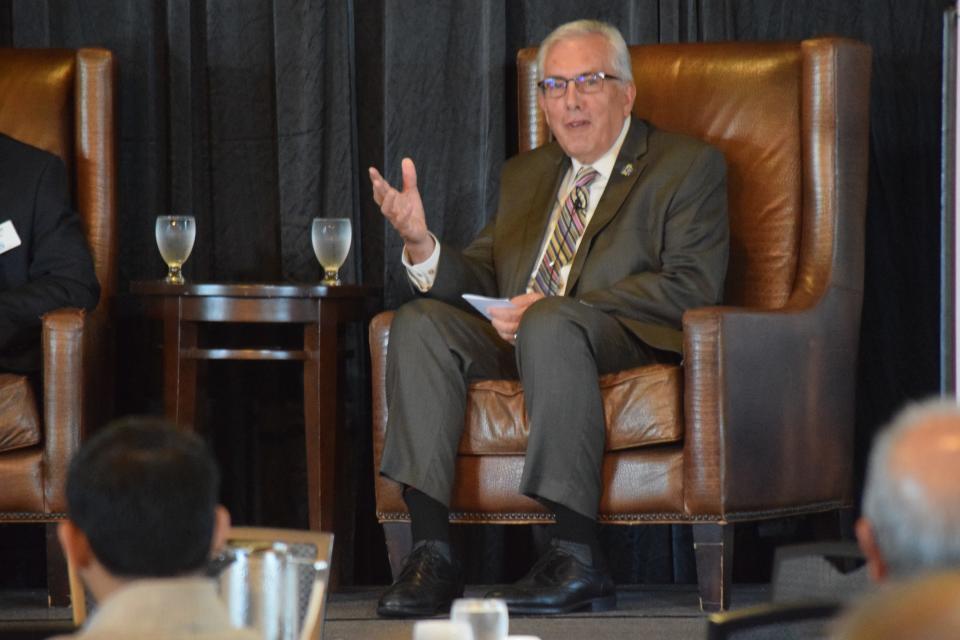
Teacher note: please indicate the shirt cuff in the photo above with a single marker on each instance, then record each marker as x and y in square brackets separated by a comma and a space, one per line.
[423, 274]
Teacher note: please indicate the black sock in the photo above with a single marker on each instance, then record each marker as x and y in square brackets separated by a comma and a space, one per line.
[429, 519]
[575, 527]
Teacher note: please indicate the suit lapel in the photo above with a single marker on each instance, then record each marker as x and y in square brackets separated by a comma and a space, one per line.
[539, 210]
[630, 164]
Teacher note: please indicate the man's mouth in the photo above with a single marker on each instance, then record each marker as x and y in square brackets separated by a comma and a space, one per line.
[577, 124]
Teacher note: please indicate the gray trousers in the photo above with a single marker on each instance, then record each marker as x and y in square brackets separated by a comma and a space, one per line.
[436, 350]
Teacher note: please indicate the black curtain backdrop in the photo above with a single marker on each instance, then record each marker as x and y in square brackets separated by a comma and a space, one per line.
[257, 115]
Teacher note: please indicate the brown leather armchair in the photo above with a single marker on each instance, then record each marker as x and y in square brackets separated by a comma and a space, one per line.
[62, 101]
[757, 422]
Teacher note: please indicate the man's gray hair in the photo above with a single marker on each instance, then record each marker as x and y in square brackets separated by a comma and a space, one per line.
[619, 55]
[916, 525]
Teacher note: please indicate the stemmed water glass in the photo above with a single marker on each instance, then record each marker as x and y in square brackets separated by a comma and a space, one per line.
[175, 236]
[331, 243]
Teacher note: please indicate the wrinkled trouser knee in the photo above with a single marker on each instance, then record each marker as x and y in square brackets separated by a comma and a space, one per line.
[562, 347]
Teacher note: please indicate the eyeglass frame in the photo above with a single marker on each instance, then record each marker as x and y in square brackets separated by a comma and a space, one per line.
[577, 81]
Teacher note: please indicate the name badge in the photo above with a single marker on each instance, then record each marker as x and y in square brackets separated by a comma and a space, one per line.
[8, 237]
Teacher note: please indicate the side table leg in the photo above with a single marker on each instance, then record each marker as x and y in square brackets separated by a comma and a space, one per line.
[320, 425]
[320, 416]
[179, 373]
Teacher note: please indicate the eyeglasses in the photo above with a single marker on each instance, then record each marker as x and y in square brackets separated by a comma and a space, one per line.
[556, 87]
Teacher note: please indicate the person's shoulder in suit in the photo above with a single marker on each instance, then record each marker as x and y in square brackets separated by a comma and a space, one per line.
[525, 170]
[548, 155]
[26, 174]
[20, 161]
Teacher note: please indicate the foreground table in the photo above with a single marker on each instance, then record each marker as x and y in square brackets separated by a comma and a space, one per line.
[320, 309]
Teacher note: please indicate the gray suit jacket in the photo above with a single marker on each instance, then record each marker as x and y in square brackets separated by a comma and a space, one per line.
[656, 245]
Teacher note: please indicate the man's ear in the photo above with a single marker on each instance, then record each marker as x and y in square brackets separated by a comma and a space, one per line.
[75, 544]
[867, 540]
[629, 97]
[221, 529]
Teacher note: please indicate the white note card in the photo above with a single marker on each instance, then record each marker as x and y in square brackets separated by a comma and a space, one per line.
[8, 237]
[483, 304]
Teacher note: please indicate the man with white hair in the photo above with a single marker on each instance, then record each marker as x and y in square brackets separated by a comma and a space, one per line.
[911, 503]
[601, 240]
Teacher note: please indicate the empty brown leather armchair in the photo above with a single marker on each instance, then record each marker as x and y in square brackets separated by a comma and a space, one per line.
[757, 422]
[61, 101]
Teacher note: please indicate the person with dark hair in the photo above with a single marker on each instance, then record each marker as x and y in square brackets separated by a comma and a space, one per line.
[142, 522]
[601, 240]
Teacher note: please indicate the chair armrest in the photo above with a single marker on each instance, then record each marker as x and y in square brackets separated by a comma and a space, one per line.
[63, 398]
[769, 407]
[387, 492]
[379, 334]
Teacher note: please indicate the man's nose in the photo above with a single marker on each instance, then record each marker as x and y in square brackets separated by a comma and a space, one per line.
[571, 97]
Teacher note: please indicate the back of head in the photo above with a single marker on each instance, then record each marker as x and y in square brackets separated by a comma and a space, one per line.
[145, 496]
[912, 493]
[922, 609]
[619, 54]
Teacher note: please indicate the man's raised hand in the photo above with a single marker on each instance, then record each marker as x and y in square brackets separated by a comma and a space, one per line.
[404, 210]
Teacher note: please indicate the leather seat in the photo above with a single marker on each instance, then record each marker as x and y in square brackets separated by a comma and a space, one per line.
[61, 101]
[757, 422]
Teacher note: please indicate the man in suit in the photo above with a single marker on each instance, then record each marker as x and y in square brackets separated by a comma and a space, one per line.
[601, 240]
[142, 522]
[911, 497]
[45, 263]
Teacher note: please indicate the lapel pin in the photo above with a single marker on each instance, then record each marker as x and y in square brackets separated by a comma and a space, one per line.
[626, 171]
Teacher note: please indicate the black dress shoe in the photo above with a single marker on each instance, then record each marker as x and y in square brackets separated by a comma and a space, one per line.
[428, 583]
[560, 582]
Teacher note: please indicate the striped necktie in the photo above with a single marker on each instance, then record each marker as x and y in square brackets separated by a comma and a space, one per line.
[566, 233]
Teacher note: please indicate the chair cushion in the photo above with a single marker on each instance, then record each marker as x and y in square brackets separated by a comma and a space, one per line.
[642, 407]
[19, 422]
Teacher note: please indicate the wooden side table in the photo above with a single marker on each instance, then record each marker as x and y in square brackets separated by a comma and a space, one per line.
[320, 309]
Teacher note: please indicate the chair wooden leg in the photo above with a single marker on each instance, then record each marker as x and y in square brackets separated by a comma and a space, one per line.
[713, 548]
[399, 536]
[847, 522]
[834, 525]
[58, 581]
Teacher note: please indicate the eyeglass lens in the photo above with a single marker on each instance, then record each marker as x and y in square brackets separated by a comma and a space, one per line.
[586, 83]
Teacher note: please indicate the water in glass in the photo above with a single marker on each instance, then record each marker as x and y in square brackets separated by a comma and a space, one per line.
[331, 244]
[487, 617]
[175, 236]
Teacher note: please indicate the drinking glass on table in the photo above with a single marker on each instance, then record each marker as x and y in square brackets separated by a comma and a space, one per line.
[175, 236]
[331, 243]
[487, 617]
